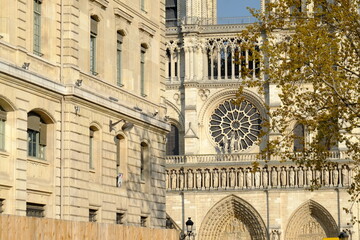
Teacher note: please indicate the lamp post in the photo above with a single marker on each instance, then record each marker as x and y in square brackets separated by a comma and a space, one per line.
[189, 229]
[343, 236]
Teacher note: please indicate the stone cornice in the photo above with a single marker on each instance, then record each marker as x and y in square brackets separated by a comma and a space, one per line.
[102, 3]
[121, 14]
[147, 29]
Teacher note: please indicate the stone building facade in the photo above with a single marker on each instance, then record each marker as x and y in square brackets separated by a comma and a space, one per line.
[82, 130]
[213, 144]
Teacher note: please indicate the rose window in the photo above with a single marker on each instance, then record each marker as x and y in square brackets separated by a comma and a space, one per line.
[235, 127]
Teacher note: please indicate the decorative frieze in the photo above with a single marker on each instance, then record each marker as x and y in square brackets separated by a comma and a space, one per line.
[227, 178]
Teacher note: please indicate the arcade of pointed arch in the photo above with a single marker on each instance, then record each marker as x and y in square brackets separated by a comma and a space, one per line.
[217, 56]
[232, 218]
[311, 220]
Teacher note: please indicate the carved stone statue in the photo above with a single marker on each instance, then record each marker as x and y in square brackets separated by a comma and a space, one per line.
[198, 179]
[335, 176]
[173, 179]
[344, 176]
[326, 176]
[223, 178]
[181, 179]
[292, 177]
[232, 178]
[283, 176]
[207, 179]
[232, 141]
[265, 177]
[225, 141]
[300, 177]
[257, 178]
[190, 179]
[216, 178]
[241, 178]
[274, 177]
[309, 176]
[248, 178]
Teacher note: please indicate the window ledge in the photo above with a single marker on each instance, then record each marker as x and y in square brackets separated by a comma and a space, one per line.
[4, 153]
[92, 170]
[38, 161]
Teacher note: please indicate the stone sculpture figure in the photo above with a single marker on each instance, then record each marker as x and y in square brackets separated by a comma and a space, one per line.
[173, 179]
[274, 177]
[309, 176]
[207, 179]
[301, 176]
[223, 178]
[335, 176]
[232, 178]
[265, 177]
[248, 178]
[283, 177]
[344, 176]
[292, 177]
[216, 178]
[326, 176]
[318, 176]
[181, 179]
[225, 141]
[241, 178]
[198, 179]
[257, 178]
[232, 141]
[190, 179]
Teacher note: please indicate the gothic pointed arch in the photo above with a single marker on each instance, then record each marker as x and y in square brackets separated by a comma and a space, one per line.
[232, 218]
[311, 220]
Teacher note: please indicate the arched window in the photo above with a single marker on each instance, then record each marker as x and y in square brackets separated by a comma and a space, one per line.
[144, 165]
[172, 143]
[2, 128]
[299, 138]
[93, 146]
[37, 136]
[121, 159]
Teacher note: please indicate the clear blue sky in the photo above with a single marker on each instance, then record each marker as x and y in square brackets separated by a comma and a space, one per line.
[235, 8]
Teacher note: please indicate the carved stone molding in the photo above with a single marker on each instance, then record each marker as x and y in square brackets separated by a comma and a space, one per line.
[121, 14]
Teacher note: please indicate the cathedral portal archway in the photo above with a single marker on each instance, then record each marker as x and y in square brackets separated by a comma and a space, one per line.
[311, 220]
[232, 218]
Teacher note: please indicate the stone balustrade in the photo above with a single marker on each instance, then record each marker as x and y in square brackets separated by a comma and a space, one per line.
[265, 177]
[237, 157]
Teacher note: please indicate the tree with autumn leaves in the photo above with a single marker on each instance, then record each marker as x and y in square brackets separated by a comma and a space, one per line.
[309, 52]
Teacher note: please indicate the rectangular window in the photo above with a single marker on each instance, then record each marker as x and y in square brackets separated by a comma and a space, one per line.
[142, 71]
[118, 59]
[119, 218]
[93, 34]
[142, 5]
[37, 27]
[91, 149]
[143, 221]
[92, 215]
[35, 210]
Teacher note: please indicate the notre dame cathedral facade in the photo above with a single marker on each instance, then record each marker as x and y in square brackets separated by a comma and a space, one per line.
[212, 144]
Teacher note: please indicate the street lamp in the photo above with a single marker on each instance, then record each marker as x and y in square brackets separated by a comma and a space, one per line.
[343, 236]
[189, 226]
[189, 229]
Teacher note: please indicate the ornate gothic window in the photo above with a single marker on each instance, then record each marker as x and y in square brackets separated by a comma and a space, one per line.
[235, 127]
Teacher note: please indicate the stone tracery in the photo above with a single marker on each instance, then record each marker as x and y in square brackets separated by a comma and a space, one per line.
[235, 127]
